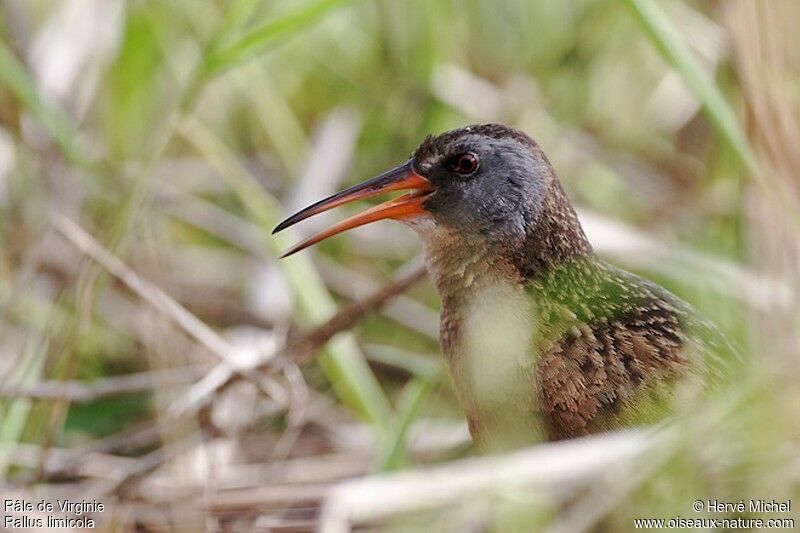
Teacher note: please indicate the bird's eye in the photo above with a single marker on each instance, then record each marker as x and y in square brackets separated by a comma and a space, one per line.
[465, 164]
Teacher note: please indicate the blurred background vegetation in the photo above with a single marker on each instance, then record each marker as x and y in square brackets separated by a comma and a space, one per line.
[148, 148]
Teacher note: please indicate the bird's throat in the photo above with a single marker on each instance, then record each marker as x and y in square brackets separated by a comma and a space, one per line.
[486, 331]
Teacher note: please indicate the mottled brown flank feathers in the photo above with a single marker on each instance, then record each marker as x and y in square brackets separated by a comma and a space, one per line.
[587, 380]
[607, 340]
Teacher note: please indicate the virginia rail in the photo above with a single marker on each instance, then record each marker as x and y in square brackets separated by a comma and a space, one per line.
[544, 339]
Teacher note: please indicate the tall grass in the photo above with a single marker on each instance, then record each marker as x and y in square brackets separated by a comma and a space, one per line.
[180, 146]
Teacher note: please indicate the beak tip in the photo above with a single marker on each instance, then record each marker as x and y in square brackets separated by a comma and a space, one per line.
[402, 177]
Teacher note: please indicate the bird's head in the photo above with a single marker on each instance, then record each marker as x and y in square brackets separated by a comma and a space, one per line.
[488, 182]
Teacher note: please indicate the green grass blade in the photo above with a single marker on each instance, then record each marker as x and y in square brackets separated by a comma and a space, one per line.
[411, 362]
[14, 411]
[342, 361]
[14, 76]
[235, 17]
[674, 49]
[395, 448]
[224, 57]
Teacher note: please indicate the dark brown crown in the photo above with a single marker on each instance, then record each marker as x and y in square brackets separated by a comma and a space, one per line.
[436, 144]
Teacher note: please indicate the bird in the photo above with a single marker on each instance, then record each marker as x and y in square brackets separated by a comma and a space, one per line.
[544, 340]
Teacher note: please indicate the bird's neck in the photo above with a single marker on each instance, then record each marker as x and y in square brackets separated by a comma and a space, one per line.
[551, 239]
[460, 261]
[461, 264]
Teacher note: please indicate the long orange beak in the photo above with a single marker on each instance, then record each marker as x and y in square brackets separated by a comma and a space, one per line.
[397, 179]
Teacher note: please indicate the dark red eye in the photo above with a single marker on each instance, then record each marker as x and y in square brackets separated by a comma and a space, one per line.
[465, 164]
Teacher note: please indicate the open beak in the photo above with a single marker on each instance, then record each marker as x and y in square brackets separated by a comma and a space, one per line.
[400, 178]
